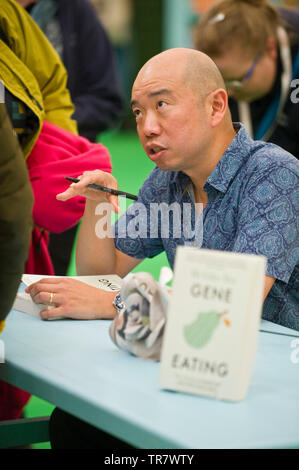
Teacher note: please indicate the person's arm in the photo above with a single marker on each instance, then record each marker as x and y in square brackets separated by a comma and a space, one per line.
[96, 252]
[89, 244]
[269, 281]
[16, 202]
[95, 255]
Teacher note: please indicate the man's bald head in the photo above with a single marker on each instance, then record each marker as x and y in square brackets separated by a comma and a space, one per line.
[181, 110]
[193, 68]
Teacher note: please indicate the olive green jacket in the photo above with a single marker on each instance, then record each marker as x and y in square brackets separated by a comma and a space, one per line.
[32, 71]
[16, 202]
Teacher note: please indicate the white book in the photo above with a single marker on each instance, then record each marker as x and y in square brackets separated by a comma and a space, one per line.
[213, 319]
[24, 303]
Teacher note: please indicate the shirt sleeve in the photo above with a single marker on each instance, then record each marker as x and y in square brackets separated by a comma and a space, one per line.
[132, 233]
[268, 221]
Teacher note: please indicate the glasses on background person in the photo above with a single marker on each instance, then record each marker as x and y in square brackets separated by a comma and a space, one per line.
[239, 84]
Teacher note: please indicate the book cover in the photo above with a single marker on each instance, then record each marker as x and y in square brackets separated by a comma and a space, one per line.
[212, 324]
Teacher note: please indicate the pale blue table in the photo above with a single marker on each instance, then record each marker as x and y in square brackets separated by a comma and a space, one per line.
[74, 365]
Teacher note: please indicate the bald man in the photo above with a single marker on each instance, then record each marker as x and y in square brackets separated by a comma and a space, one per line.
[243, 191]
[207, 167]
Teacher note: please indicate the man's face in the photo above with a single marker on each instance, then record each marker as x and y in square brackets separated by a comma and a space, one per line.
[170, 120]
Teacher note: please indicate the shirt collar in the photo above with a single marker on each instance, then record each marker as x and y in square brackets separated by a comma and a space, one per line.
[232, 160]
[227, 167]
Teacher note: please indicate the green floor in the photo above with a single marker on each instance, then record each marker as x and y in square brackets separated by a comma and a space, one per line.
[130, 167]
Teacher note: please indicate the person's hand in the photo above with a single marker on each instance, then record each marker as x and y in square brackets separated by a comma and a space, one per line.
[72, 299]
[98, 177]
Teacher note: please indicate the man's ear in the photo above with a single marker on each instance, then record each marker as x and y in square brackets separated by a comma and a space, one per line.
[217, 103]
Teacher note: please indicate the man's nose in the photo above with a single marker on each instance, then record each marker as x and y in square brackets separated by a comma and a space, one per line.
[151, 125]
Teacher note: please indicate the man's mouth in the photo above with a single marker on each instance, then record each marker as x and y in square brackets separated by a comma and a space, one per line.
[154, 150]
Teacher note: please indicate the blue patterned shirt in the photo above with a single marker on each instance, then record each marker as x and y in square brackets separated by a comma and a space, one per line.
[253, 205]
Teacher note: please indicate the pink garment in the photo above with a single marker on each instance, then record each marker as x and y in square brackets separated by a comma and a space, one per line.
[56, 154]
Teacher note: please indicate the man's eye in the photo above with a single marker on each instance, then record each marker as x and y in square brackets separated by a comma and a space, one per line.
[137, 112]
[161, 104]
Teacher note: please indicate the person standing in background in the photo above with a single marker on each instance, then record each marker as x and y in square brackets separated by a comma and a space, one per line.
[117, 18]
[74, 30]
[34, 88]
[39, 105]
[256, 47]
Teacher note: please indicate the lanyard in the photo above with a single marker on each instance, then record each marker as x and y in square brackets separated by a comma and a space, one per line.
[270, 119]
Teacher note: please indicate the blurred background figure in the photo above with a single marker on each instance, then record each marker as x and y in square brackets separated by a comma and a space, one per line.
[33, 86]
[293, 4]
[116, 16]
[256, 47]
[34, 89]
[16, 201]
[75, 31]
[199, 6]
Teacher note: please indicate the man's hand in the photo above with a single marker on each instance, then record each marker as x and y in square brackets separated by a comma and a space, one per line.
[98, 177]
[72, 299]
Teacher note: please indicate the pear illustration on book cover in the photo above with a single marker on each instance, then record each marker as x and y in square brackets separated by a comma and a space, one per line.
[198, 333]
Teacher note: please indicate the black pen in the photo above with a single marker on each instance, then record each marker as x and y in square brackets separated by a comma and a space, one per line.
[115, 192]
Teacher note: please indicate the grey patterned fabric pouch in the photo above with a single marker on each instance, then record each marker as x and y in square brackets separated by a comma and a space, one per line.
[138, 328]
